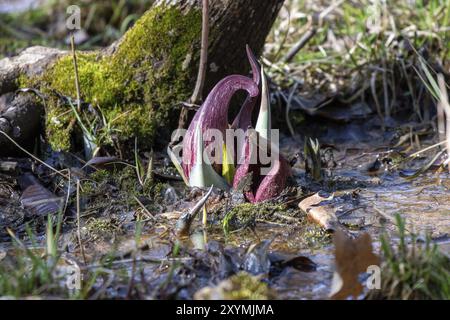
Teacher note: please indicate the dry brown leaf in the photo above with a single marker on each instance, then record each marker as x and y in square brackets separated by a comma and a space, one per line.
[37, 199]
[323, 215]
[301, 263]
[353, 256]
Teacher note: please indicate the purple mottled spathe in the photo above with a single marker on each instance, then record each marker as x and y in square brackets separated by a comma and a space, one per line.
[244, 118]
[213, 114]
[263, 187]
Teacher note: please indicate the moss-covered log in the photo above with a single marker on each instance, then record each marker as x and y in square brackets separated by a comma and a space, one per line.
[130, 89]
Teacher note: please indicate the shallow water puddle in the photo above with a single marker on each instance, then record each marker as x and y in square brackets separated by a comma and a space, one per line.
[423, 202]
[424, 205]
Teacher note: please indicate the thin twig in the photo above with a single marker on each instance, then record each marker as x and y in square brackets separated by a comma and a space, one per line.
[33, 156]
[314, 24]
[68, 193]
[427, 148]
[197, 94]
[308, 35]
[373, 90]
[387, 110]
[133, 272]
[388, 217]
[283, 41]
[288, 108]
[198, 90]
[78, 223]
[147, 213]
[75, 66]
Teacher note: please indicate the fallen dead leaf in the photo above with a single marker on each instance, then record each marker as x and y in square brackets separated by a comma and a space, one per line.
[36, 198]
[301, 263]
[323, 215]
[353, 257]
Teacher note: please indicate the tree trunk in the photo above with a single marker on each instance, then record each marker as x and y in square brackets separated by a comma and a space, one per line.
[147, 72]
[236, 23]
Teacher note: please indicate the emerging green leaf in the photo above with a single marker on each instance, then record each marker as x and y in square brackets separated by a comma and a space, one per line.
[202, 173]
[263, 125]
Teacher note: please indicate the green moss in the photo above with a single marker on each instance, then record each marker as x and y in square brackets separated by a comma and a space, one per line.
[58, 127]
[247, 287]
[126, 180]
[100, 228]
[96, 85]
[96, 183]
[100, 175]
[315, 237]
[156, 191]
[245, 214]
[134, 89]
[241, 286]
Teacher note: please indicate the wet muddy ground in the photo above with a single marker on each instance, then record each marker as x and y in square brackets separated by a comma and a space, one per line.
[147, 259]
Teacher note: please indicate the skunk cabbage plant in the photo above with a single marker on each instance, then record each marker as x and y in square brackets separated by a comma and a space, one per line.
[213, 114]
[209, 128]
